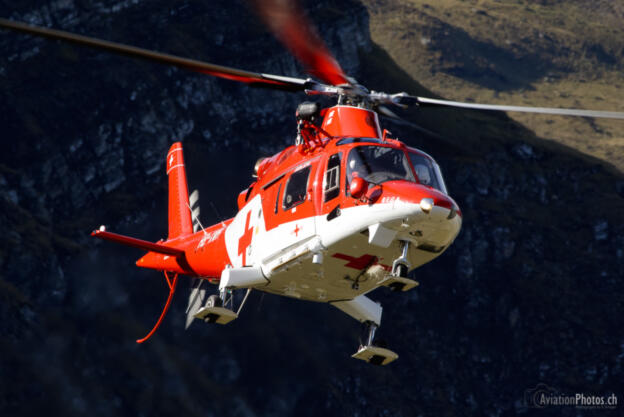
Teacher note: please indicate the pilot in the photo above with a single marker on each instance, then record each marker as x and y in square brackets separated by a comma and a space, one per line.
[352, 165]
[355, 168]
[424, 177]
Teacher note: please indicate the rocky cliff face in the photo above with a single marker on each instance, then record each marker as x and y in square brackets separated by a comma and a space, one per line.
[530, 292]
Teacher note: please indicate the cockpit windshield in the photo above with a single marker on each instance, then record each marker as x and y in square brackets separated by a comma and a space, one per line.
[427, 171]
[377, 164]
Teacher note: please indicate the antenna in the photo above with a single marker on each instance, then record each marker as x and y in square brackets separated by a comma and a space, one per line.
[217, 213]
[215, 210]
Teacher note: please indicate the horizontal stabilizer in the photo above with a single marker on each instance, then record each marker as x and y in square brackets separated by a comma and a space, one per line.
[137, 243]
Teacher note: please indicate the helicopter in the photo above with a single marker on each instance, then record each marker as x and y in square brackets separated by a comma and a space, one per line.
[343, 211]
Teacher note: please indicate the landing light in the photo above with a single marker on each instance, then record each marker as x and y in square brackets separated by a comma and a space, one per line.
[426, 204]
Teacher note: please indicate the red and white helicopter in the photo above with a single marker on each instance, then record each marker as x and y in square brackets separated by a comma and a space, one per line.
[343, 211]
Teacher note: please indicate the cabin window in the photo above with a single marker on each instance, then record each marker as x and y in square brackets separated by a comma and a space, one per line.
[296, 188]
[331, 184]
[279, 190]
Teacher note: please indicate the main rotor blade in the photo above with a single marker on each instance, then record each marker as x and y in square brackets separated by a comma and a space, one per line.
[392, 116]
[523, 109]
[287, 21]
[253, 78]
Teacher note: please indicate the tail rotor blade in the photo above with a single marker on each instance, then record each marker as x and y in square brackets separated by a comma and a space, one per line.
[197, 297]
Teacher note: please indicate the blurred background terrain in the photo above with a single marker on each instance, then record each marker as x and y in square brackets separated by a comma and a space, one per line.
[545, 53]
[530, 292]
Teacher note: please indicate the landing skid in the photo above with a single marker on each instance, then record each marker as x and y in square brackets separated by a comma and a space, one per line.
[375, 355]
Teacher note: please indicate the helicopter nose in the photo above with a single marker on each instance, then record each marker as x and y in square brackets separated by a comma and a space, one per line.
[429, 201]
[426, 217]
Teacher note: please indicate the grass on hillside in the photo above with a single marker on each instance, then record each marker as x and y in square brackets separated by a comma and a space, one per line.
[555, 54]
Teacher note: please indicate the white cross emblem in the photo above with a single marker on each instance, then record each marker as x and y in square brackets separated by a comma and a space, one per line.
[171, 160]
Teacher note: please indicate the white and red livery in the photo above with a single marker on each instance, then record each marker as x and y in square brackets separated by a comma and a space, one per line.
[331, 219]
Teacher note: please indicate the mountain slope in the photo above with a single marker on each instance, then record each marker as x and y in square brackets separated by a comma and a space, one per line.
[548, 53]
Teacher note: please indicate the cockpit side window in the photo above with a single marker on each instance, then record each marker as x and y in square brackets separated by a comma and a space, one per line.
[296, 189]
[426, 171]
[331, 183]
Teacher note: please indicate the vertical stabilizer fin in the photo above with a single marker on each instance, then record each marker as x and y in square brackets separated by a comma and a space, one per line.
[179, 214]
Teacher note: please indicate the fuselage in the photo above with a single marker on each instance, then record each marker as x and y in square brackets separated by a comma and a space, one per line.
[312, 238]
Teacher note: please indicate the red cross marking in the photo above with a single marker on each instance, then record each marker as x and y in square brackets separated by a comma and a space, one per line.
[297, 230]
[361, 262]
[245, 239]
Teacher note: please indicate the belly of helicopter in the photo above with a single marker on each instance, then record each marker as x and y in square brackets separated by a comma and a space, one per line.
[352, 266]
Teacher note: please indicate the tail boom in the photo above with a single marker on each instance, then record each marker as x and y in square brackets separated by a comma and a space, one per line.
[205, 254]
[201, 254]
